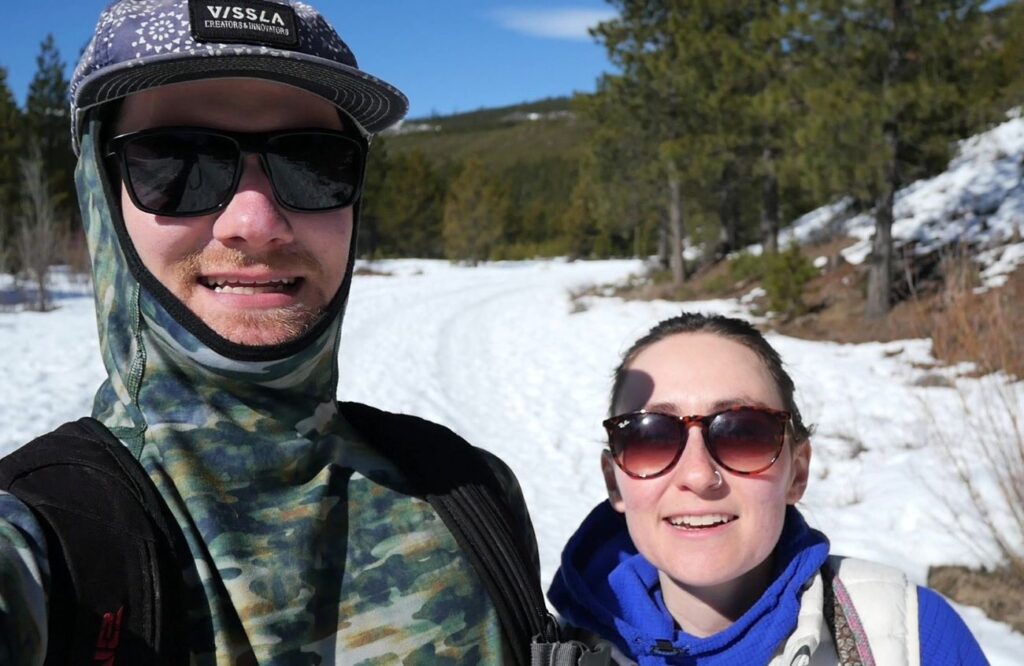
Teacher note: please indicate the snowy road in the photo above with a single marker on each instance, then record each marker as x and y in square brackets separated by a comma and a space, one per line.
[499, 354]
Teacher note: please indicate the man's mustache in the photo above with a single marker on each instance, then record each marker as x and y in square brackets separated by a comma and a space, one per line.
[214, 260]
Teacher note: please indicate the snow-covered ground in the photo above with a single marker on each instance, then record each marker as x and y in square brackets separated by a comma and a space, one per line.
[978, 201]
[502, 355]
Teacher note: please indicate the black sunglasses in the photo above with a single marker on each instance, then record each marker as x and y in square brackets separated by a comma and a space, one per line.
[189, 171]
[743, 439]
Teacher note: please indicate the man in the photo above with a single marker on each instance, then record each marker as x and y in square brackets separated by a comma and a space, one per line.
[221, 155]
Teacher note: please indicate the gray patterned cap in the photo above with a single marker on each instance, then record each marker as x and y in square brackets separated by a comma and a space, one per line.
[141, 44]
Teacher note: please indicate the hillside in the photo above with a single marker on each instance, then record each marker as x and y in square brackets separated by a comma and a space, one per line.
[959, 243]
[502, 136]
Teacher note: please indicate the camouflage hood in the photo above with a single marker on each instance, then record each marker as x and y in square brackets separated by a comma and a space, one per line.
[259, 469]
[240, 448]
[306, 546]
[158, 355]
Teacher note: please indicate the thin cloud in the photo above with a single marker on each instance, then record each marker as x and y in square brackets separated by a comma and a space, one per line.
[553, 23]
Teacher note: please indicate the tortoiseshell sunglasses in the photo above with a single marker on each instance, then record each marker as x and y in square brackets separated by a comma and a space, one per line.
[742, 439]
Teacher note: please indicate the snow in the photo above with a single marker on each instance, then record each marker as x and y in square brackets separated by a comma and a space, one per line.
[504, 356]
[977, 201]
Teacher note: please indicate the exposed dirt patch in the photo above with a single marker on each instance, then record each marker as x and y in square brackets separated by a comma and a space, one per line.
[836, 301]
[999, 593]
[938, 303]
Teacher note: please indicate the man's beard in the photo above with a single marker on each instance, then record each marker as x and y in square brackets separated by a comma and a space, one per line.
[279, 325]
[255, 327]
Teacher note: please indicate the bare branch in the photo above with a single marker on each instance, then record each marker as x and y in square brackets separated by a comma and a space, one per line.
[37, 225]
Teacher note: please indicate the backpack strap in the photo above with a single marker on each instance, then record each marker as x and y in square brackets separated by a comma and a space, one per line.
[460, 485]
[843, 623]
[115, 593]
[871, 611]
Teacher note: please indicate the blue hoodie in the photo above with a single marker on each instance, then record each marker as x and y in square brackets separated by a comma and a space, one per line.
[604, 586]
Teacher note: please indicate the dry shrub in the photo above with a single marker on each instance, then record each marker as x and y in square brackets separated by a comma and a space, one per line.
[987, 457]
[991, 470]
[985, 328]
[983, 445]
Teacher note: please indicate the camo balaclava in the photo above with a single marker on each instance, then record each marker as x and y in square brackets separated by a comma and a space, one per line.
[306, 547]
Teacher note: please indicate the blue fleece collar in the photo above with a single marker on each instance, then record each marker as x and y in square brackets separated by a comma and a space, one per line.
[606, 587]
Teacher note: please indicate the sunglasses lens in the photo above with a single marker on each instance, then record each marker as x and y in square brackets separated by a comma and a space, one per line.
[315, 171]
[180, 173]
[746, 440]
[645, 444]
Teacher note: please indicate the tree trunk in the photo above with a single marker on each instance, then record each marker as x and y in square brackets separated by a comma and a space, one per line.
[663, 245]
[675, 230]
[41, 302]
[880, 270]
[728, 214]
[770, 203]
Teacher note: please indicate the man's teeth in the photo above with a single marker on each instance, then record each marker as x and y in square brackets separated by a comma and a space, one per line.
[249, 287]
[700, 521]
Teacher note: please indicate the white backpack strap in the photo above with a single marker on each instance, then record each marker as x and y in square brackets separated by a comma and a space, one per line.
[880, 606]
[809, 644]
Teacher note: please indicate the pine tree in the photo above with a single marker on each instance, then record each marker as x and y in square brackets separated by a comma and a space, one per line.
[48, 121]
[10, 150]
[886, 97]
[1006, 75]
[473, 211]
[624, 177]
[375, 194]
[410, 214]
[658, 104]
[581, 223]
[699, 97]
[775, 54]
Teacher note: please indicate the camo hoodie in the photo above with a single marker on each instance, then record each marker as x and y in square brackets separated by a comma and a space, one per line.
[307, 549]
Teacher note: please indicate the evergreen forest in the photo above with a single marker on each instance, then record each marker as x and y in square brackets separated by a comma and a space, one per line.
[721, 121]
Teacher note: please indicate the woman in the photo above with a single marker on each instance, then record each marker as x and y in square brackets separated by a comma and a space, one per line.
[699, 556]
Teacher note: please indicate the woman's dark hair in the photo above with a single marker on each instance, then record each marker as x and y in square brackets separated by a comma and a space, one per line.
[727, 327]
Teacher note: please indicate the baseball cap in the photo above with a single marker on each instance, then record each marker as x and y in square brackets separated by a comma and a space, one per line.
[143, 44]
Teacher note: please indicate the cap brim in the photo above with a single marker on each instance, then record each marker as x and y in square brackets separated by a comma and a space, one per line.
[371, 102]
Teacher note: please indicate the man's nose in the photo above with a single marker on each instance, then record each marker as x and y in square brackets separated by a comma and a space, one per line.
[253, 218]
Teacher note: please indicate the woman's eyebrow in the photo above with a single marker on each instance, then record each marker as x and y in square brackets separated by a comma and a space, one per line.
[663, 407]
[717, 406]
[737, 401]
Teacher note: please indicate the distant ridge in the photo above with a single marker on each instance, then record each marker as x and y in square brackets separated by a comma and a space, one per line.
[501, 137]
[489, 117]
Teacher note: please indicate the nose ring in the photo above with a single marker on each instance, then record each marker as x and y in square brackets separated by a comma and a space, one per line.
[718, 480]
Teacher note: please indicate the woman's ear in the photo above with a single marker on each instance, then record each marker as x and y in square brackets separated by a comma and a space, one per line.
[800, 471]
[608, 468]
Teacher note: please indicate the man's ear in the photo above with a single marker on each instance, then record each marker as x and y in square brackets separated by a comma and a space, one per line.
[608, 468]
[800, 471]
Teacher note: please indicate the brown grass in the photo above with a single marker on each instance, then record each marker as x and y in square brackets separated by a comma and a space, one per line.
[986, 329]
[1000, 593]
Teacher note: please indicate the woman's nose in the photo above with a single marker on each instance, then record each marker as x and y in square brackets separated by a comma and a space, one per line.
[696, 469]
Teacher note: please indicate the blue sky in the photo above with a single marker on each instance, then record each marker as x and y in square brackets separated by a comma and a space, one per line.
[446, 55]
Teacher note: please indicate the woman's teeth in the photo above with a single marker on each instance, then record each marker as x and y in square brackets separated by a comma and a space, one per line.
[708, 520]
